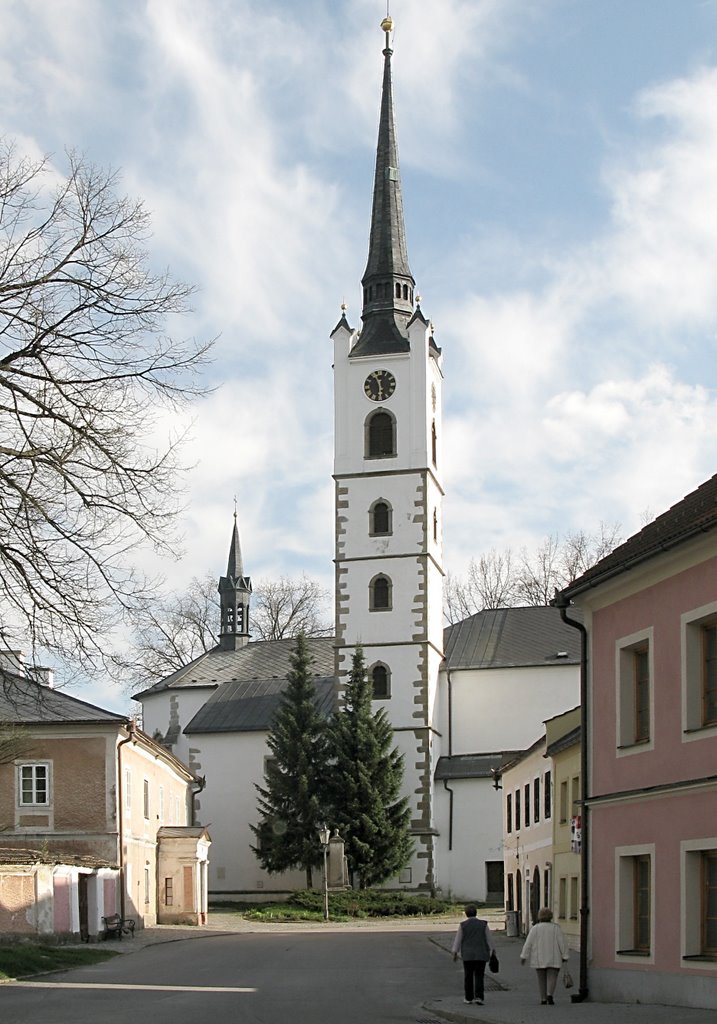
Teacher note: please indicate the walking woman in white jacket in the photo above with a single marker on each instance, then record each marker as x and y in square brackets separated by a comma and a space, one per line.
[546, 951]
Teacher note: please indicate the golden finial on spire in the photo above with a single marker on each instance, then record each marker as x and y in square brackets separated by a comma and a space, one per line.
[344, 307]
[387, 24]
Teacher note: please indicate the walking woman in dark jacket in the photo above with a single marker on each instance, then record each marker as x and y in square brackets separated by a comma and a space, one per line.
[475, 944]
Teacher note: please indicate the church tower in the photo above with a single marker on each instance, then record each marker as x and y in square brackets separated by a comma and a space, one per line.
[234, 595]
[387, 472]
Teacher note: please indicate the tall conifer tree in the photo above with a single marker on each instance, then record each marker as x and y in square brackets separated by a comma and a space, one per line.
[365, 780]
[290, 803]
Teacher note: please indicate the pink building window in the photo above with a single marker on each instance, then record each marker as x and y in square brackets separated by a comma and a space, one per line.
[709, 674]
[635, 695]
[641, 683]
[709, 903]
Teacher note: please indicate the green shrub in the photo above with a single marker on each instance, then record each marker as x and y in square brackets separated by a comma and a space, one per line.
[372, 903]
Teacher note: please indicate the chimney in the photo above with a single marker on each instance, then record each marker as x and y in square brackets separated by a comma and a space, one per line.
[12, 661]
[41, 674]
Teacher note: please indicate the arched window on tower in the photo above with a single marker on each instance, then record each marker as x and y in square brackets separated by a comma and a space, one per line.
[379, 594]
[434, 443]
[435, 526]
[398, 290]
[380, 519]
[381, 681]
[380, 435]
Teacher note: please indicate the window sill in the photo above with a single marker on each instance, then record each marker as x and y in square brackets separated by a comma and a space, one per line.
[634, 745]
[633, 952]
[701, 958]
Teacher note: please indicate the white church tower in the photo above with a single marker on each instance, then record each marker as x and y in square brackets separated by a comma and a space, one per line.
[387, 471]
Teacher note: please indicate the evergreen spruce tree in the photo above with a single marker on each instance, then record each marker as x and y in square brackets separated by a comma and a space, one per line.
[290, 803]
[365, 778]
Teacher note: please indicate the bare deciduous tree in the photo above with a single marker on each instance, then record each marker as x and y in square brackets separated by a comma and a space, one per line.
[500, 580]
[87, 371]
[175, 630]
[286, 607]
[490, 582]
[170, 632]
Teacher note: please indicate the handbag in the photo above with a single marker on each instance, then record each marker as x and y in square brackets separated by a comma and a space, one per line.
[567, 978]
[494, 963]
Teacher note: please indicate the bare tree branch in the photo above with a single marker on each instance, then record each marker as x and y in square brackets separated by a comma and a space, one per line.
[175, 630]
[86, 372]
[497, 580]
[286, 607]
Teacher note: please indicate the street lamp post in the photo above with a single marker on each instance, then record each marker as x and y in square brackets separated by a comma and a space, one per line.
[324, 836]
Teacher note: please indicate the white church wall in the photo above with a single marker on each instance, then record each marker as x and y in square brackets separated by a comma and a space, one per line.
[233, 763]
[170, 711]
[504, 708]
[476, 837]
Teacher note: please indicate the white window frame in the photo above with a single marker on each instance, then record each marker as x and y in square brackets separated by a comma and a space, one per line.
[34, 803]
[128, 789]
[691, 851]
[161, 805]
[691, 623]
[625, 692]
[146, 805]
[625, 899]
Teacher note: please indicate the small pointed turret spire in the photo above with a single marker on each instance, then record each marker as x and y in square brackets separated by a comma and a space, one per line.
[234, 596]
[235, 569]
[388, 284]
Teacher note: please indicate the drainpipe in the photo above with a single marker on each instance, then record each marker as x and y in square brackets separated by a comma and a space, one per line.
[120, 814]
[200, 781]
[562, 604]
[450, 754]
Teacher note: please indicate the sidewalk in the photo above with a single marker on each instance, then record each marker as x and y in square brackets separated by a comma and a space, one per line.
[511, 997]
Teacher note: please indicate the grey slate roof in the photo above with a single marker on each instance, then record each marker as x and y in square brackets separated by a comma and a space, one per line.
[510, 638]
[260, 659]
[695, 514]
[250, 705]
[473, 766]
[25, 702]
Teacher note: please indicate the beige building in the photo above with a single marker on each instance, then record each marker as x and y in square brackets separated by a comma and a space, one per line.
[562, 735]
[528, 833]
[95, 817]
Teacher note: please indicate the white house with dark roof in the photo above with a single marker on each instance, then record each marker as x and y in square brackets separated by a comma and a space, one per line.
[457, 699]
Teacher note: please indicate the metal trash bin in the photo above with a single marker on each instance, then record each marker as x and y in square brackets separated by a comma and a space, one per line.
[511, 924]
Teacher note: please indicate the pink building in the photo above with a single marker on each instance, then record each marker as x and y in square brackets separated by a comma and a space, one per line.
[650, 818]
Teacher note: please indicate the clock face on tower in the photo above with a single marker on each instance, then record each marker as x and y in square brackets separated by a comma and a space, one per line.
[379, 385]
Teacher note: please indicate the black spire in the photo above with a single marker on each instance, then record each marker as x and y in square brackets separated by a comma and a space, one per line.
[234, 595]
[388, 284]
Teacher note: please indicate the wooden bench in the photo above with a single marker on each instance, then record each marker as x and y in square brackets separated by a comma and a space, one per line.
[116, 926]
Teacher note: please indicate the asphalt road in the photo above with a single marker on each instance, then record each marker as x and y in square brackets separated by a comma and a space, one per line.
[256, 979]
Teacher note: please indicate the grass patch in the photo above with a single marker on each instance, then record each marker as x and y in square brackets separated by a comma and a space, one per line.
[28, 958]
[308, 905]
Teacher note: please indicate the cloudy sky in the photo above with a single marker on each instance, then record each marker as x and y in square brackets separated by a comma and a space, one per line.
[559, 166]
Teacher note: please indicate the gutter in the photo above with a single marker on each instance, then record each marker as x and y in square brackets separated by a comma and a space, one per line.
[562, 603]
